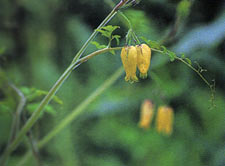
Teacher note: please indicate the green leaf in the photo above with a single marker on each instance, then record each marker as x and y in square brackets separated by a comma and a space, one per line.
[155, 45]
[26, 91]
[33, 94]
[188, 61]
[144, 39]
[97, 45]
[104, 33]
[171, 55]
[152, 44]
[110, 28]
[165, 51]
[107, 30]
[182, 56]
[32, 107]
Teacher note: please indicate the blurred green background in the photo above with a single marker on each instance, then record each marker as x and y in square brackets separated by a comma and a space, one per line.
[38, 40]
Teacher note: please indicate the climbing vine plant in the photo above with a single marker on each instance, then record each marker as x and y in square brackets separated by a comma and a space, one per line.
[136, 53]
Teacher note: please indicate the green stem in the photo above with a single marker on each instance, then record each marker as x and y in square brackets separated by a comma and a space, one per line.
[84, 59]
[129, 26]
[211, 87]
[76, 112]
[190, 66]
[201, 76]
[125, 18]
[17, 115]
[45, 101]
[135, 37]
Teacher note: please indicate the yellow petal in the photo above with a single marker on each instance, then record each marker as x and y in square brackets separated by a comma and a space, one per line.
[143, 59]
[164, 120]
[146, 114]
[129, 60]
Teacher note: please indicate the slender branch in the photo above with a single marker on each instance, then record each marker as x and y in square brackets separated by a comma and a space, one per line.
[32, 142]
[190, 66]
[120, 4]
[84, 59]
[202, 77]
[17, 115]
[34, 148]
[211, 86]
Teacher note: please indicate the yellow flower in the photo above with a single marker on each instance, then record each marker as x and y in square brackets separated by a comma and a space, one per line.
[129, 60]
[164, 120]
[147, 111]
[143, 59]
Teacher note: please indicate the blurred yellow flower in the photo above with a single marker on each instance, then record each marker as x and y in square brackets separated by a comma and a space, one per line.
[146, 114]
[143, 59]
[164, 120]
[129, 60]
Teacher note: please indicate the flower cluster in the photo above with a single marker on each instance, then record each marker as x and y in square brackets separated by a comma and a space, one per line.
[164, 117]
[134, 57]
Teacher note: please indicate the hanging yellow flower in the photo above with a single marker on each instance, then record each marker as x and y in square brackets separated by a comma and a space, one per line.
[164, 120]
[143, 59]
[129, 60]
[146, 114]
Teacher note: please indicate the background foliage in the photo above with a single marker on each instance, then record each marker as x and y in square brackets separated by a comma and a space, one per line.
[38, 40]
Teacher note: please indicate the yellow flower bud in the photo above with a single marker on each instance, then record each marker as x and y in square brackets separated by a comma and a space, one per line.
[164, 120]
[143, 59]
[129, 60]
[147, 111]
